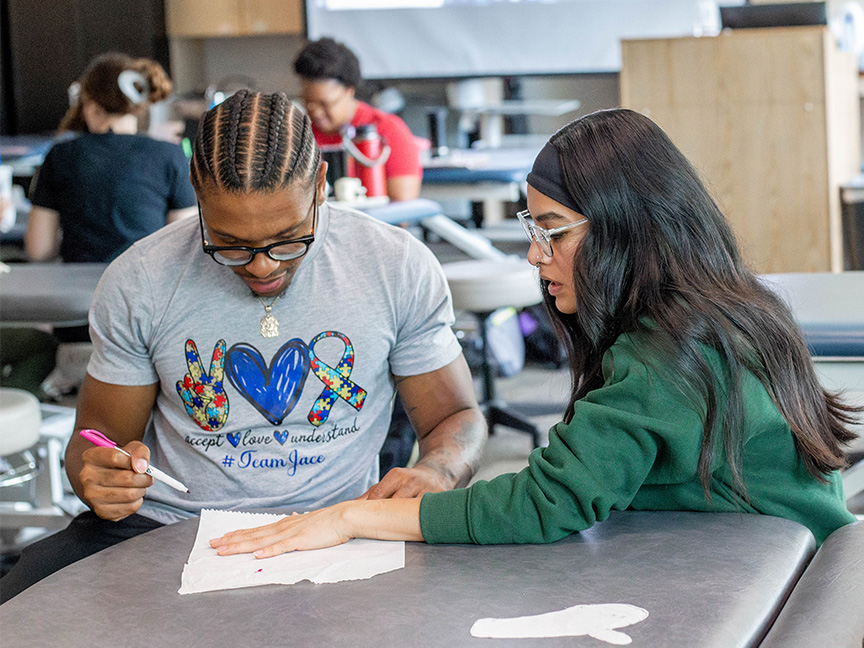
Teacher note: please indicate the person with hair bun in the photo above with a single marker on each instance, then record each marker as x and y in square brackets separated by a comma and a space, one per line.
[255, 351]
[692, 387]
[108, 186]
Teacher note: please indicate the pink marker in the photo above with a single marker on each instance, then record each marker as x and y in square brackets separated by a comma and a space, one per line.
[94, 436]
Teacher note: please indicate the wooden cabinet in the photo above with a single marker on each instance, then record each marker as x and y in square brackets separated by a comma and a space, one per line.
[770, 118]
[205, 18]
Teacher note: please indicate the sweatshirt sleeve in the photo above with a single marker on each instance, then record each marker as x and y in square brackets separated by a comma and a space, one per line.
[637, 424]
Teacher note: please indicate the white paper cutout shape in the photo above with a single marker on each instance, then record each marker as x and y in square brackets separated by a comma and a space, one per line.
[599, 621]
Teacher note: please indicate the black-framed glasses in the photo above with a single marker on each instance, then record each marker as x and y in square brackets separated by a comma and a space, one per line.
[240, 255]
[543, 237]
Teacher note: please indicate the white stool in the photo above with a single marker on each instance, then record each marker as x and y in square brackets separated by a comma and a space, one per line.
[31, 474]
[482, 287]
[19, 432]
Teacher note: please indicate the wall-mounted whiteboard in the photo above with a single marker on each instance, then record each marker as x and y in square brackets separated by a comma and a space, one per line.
[401, 39]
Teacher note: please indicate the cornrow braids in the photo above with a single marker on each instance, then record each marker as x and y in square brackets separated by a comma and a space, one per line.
[228, 173]
[254, 142]
[274, 136]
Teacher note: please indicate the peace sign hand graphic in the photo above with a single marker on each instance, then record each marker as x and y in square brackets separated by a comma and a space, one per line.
[203, 395]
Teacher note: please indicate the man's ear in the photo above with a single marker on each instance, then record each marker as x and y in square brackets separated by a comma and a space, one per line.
[321, 182]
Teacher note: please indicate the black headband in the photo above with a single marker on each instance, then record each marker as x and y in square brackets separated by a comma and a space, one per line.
[546, 177]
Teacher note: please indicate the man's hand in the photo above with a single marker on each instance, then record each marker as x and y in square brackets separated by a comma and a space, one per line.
[114, 484]
[408, 482]
[104, 478]
[450, 428]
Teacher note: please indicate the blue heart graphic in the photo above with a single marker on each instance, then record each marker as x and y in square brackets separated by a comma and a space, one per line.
[273, 390]
[281, 437]
[233, 438]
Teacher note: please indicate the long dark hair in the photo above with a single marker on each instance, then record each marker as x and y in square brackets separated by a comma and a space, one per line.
[660, 257]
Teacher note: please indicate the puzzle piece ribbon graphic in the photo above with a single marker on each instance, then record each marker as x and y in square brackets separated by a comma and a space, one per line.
[335, 379]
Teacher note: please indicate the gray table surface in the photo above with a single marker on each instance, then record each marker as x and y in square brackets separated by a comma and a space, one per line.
[826, 607]
[706, 579]
[48, 293]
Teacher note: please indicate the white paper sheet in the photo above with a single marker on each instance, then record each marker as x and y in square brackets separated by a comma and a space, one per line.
[206, 571]
[599, 621]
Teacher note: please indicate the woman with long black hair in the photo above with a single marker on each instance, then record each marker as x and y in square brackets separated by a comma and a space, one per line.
[692, 387]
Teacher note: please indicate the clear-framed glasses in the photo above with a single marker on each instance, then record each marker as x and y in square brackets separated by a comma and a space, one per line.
[543, 237]
[240, 255]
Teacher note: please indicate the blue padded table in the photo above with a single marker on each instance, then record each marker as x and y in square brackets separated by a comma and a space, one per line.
[478, 174]
[24, 153]
[396, 212]
[427, 214]
[707, 580]
[829, 307]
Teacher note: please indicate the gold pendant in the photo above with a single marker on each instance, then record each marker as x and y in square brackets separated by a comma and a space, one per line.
[269, 326]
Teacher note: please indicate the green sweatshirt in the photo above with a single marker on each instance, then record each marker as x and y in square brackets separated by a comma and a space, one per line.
[634, 443]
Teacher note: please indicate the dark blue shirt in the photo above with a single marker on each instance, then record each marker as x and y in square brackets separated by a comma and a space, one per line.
[111, 190]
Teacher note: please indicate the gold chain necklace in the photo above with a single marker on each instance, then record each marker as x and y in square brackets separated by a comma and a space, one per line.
[269, 323]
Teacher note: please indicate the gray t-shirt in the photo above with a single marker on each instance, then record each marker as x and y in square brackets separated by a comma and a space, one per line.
[295, 420]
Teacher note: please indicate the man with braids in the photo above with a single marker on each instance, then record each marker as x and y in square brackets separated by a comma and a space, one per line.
[254, 352]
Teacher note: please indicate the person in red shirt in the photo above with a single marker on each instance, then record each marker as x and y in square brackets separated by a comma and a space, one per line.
[331, 73]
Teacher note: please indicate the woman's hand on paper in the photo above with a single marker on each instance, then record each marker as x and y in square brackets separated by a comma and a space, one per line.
[314, 530]
[391, 519]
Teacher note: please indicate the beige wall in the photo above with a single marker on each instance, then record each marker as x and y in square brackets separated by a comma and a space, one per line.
[198, 63]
